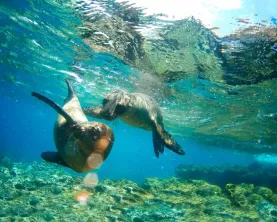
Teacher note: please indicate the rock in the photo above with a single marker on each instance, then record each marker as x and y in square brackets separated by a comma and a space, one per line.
[264, 192]
[34, 201]
[6, 162]
[248, 56]
[158, 199]
[19, 186]
[267, 211]
[114, 34]
[221, 175]
[188, 51]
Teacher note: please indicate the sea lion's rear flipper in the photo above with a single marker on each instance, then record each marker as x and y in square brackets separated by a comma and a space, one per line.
[54, 106]
[158, 143]
[53, 157]
[166, 139]
[170, 143]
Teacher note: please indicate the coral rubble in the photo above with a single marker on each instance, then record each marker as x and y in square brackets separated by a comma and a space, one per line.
[45, 192]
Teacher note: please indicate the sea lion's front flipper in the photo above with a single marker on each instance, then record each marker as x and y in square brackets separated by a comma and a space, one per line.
[158, 143]
[106, 111]
[54, 106]
[95, 112]
[109, 109]
[53, 157]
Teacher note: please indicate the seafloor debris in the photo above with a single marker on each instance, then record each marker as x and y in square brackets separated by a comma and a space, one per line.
[45, 192]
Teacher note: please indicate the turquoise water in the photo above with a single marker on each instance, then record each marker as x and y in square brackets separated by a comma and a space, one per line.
[217, 95]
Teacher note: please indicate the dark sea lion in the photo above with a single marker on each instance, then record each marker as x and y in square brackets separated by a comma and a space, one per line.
[81, 145]
[138, 110]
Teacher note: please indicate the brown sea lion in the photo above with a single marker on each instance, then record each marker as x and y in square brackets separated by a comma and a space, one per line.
[81, 145]
[138, 110]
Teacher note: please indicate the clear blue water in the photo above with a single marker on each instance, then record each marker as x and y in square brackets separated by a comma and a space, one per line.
[28, 127]
[39, 49]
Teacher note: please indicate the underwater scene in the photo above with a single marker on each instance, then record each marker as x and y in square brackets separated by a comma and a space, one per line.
[138, 111]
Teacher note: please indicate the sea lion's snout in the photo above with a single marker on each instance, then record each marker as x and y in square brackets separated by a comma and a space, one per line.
[101, 149]
[95, 135]
[96, 141]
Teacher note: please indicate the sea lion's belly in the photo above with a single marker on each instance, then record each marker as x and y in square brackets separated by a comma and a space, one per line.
[65, 141]
[73, 155]
[78, 150]
[70, 147]
[137, 118]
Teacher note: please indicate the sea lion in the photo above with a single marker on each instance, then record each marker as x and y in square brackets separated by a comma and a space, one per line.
[138, 110]
[81, 145]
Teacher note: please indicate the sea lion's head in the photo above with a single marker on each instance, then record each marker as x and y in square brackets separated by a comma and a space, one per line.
[94, 141]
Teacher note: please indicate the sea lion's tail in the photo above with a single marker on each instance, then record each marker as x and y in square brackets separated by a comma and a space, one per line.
[54, 106]
[162, 138]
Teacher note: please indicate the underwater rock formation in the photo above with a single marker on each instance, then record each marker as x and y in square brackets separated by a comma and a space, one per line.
[111, 29]
[249, 56]
[45, 192]
[186, 47]
[255, 173]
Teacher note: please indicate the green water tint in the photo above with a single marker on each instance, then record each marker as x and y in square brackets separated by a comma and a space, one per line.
[221, 92]
[45, 192]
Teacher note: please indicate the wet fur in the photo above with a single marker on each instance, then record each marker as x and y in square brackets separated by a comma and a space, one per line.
[75, 138]
[139, 110]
